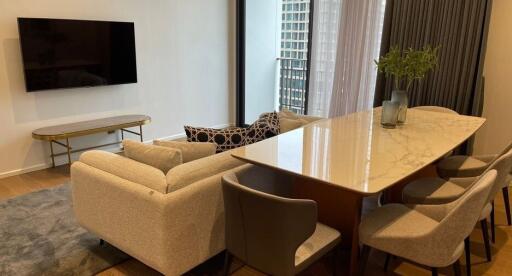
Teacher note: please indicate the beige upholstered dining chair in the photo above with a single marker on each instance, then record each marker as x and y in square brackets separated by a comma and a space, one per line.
[276, 235]
[431, 191]
[472, 166]
[434, 108]
[431, 236]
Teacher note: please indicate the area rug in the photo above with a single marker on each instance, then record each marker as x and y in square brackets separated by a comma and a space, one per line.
[40, 236]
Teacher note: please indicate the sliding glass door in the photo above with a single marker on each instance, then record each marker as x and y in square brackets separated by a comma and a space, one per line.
[273, 57]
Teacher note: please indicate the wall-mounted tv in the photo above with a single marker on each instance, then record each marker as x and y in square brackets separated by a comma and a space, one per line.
[63, 53]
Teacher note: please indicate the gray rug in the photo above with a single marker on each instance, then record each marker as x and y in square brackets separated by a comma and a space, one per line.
[40, 236]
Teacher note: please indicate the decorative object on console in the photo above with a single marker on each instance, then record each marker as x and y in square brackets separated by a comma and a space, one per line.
[190, 151]
[225, 139]
[406, 67]
[53, 134]
[162, 158]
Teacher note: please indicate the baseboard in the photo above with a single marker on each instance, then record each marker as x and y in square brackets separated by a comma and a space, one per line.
[115, 150]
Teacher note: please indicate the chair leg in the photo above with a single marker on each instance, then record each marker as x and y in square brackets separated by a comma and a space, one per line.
[365, 253]
[335, 261]
[386, 263]
[434, 271]
[507, 204]
[487, 243]
[456, 268]
[493, 225]
[227, 263]
[467, 251]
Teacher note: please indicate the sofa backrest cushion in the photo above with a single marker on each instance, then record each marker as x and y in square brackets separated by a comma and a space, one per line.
[126, 168]
[286, 113]
[188, 173]
[288, 124]
[190, 151]
[162, 158]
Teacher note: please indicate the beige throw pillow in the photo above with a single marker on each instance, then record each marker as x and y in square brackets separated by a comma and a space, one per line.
[287, 124]
[190, 150]
[162, 158]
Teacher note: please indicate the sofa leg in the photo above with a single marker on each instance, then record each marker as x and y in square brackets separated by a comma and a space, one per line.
[227, 263]
[102, 242]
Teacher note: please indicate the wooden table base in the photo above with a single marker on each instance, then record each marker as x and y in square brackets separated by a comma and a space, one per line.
[341, 209]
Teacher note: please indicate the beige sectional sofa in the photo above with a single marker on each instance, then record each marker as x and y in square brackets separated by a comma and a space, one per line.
[170, 222]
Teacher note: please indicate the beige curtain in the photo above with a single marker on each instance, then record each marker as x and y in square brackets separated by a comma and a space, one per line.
[346, 40]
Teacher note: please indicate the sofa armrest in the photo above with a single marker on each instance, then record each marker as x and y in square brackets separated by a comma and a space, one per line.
[188, 173]
[126, 168]
[170, 232]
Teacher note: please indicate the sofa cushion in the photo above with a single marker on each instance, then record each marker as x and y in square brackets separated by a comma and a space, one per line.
[190, 151]
[265, 127]
[288, 124]
[286, 113]
[188, 173]
[126, 168]
[225, 139]
[162, 158]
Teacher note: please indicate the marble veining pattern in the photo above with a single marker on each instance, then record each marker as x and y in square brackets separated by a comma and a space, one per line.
[356, 153]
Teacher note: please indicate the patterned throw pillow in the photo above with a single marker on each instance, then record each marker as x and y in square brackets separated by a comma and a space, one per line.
[265, 127]
[225, 139]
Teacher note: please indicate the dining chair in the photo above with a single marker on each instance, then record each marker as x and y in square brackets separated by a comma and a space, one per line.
[273, 234]
[432, 191]
[471, 166]
[432, 236]
[436, 109]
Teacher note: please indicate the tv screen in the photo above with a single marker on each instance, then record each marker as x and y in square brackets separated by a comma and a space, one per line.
[62, 53]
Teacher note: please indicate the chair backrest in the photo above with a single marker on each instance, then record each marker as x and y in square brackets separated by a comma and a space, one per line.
[436, 109]
[502, 165]
[461, 219]
[264, 230]
[505, 150]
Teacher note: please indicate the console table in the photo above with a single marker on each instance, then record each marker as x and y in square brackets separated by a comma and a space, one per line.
[64, 132]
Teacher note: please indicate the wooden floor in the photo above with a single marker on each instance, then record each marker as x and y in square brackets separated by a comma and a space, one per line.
[502, 250]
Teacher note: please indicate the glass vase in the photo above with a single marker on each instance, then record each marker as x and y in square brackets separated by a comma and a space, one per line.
[402, 98]
[389, 116]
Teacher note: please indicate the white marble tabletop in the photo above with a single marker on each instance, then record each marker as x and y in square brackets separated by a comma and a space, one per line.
[354, 152]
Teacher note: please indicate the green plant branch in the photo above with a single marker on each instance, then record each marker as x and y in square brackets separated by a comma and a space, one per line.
[408, 65]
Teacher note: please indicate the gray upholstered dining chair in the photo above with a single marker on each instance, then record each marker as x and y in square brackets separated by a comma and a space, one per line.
[432, 236]
[472, 166]
[273, 234]
[432, 191]
[434, 108]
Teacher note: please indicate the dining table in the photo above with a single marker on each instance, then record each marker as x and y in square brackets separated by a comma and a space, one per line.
[338, 162]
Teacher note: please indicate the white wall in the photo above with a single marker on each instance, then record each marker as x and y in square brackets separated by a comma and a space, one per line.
[263, 31]
[497, 131]
[184, 60]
